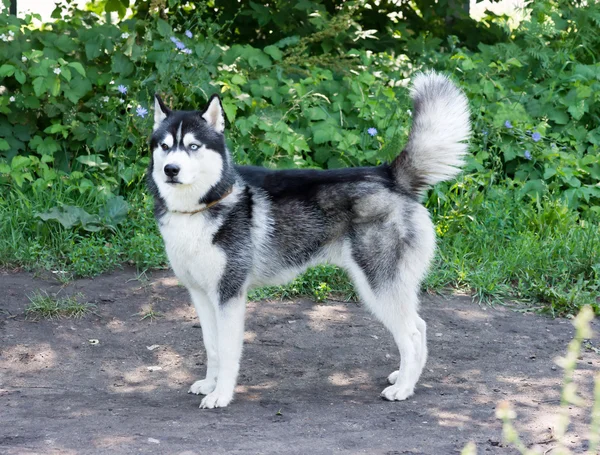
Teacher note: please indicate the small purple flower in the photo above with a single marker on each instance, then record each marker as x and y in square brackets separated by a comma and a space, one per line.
[527, 155]
[122, 89]
[187, 51]
[178, 44]
[536, 136]
[188, 34]
[372, 131]
[507, 124]
[141, 111]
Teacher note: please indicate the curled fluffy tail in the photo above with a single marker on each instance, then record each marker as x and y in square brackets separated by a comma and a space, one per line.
[435, 148]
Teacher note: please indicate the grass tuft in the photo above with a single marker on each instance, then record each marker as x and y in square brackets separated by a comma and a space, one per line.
[44, 306]
[148, 313]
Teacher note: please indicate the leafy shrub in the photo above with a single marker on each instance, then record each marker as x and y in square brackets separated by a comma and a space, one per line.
[74, 121]
[536, 102]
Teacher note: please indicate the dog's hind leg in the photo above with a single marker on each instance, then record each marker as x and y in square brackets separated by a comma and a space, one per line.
[422, 328]
[206, 314]
[395, 303]
[230, 334]
[399, 314]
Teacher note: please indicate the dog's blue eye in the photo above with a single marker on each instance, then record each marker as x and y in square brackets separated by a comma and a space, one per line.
[194, 147]
[164, 146]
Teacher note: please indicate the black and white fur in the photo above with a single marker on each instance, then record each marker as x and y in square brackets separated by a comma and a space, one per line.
[275, 224]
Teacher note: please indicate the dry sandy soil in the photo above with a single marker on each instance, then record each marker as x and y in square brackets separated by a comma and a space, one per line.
[309, 383]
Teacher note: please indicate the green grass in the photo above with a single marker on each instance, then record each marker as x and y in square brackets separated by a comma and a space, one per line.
[491, 243]
[498, 246]
[28, 241]
[44, 306]
[324, 282]
[149, 314]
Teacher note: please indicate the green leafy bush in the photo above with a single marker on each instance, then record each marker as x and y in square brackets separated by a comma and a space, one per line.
[536, 102]
[74, 122]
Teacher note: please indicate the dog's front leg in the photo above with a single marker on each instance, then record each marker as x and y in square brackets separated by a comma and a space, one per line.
[208, 320]
[230, 335]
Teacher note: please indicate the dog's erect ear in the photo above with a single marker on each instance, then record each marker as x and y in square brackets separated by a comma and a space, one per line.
[161, 111]
[213, 114]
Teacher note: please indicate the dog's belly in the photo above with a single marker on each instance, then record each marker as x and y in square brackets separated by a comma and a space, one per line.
[280, 277]
[196, 261]
[273, 269]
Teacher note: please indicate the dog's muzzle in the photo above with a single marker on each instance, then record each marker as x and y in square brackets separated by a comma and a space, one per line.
[171, 171]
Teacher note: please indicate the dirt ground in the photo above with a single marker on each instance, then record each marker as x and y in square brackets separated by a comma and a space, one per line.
[310, 378]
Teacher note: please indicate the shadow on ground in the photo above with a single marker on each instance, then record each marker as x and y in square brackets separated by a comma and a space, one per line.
[310, 380]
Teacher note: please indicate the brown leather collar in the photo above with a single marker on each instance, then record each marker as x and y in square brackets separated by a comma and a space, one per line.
[207, 206]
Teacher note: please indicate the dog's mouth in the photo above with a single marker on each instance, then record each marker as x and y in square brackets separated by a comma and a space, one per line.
[172, 181]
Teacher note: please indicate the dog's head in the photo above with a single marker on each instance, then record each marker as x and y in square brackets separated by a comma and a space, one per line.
[189, 155]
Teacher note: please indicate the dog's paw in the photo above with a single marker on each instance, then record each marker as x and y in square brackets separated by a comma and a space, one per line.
[393, 377]
[203, 387]
[397, 393]
[216, 400]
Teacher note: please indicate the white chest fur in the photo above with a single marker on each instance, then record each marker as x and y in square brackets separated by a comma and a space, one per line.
[196, 261]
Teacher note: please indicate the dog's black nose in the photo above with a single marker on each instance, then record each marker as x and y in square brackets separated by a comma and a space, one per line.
[171, 170]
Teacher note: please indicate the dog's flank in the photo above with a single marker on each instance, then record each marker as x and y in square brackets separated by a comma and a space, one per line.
[227, 228]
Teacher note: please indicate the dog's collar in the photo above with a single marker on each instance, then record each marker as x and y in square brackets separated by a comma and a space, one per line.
[207, 206]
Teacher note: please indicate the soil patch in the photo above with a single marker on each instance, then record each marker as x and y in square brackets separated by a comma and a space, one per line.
[310, 378]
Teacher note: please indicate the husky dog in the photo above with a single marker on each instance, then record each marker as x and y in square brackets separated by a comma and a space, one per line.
[227, 228]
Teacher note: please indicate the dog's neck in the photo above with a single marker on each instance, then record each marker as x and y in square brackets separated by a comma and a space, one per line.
[208, 204]
[218, 192]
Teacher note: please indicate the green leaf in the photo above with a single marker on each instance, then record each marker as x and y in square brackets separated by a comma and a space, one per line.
[164, 29]
[7, 70]
[549, 172]
[122, 65]
[66, 43]
[230, 110]
[316, 113]
[20, 76]
[254, 57]
[55, 128]
[4, 145]
[31, 102]
[533, 187]
[274, 52]
[558, 116]
[335, 163]
[44, 146]
[238, 79]
[93, 49]
[55, 87]
[93, 161]
[584, 91]
[577, 109]
[70, 216]
[66, 73]
[127, 175]
[19, 162]
[67, 216]
[78, 88]
[39, 86]
[78, 67]
[322, 136]
[115, 211]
